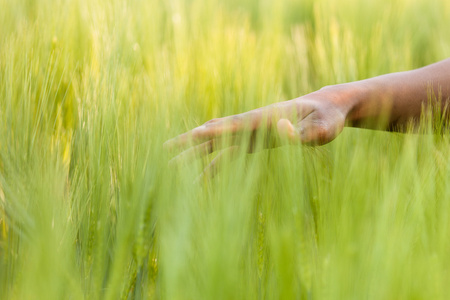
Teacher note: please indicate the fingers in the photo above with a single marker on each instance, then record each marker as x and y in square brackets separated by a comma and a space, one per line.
[202, 150]
[260, 118]
[194, 152]
[297, 122]
[309, 131]
[225, 156]
[193, 136]
[287, 131]
[209, 130]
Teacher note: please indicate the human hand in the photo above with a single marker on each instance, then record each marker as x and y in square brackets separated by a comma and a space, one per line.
[314, 119]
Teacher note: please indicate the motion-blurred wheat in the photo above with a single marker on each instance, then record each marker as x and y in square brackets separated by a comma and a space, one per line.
[89, 91]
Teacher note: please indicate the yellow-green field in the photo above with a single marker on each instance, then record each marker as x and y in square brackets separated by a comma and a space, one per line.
[89, 209]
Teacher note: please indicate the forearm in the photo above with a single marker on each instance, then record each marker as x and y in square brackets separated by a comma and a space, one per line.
[393, 100]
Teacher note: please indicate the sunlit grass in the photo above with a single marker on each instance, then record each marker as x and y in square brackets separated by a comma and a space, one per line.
[89, 92]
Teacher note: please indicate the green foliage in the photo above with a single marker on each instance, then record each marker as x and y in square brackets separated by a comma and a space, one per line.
[90, 90]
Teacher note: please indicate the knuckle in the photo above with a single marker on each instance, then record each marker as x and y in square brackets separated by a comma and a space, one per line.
[212, 121]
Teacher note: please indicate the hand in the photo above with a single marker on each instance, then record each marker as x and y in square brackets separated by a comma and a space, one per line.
[314, 119]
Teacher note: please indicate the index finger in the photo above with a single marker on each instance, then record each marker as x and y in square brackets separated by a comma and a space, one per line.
[211, 129]
[215, 128]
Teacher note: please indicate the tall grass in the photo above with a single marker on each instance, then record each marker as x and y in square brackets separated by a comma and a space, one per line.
[90, 90]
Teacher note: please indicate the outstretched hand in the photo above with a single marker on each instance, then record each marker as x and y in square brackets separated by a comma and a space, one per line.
[314, 119]
[390, 101]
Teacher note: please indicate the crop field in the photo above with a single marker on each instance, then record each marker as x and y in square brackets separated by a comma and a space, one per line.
[90, 207]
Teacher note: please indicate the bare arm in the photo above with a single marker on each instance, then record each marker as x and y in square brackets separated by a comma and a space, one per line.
[398, 97]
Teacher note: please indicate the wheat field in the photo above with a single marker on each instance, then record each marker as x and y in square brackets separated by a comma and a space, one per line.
[90, 209]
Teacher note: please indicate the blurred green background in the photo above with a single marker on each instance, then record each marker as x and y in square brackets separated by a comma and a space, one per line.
[90, 90]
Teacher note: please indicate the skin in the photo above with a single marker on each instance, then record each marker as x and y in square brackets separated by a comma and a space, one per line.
[387, 102]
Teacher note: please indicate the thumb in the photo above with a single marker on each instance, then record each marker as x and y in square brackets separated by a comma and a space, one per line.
[287, 131]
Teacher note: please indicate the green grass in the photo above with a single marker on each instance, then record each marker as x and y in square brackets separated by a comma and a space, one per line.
[90, 90]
